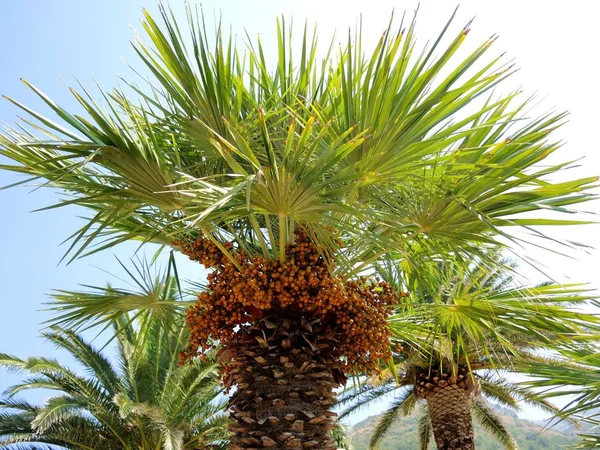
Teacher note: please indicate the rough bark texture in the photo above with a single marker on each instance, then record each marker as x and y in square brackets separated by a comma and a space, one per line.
[449, 400]
[450, 416]
[285, 381]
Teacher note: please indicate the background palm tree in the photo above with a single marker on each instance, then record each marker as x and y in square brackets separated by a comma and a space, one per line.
[458, 334]
[289, 183]
[142, 400]
[405, 402]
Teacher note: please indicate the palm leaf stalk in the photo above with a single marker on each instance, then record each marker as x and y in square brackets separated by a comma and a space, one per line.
[457, 335]
[291, 183]
[142, 400]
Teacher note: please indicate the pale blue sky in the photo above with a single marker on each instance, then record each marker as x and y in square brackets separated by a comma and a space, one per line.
[556, 44]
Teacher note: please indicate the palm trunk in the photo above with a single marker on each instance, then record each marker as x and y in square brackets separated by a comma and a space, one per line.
[288, 332]
[449, 400]
[450, 416]
[285, 381]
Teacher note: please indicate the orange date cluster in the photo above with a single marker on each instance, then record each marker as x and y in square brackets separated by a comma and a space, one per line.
[353, 313]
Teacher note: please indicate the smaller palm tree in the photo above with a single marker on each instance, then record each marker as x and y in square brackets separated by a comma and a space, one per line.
[459, 331]
[142, 401]
[491, 388]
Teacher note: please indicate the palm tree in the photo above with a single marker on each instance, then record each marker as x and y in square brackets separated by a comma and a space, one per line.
[456, 336]
[288, 184]
[406, 402]
[143, 400]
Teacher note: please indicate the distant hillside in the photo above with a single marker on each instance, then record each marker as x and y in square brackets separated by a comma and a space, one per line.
[403, 434]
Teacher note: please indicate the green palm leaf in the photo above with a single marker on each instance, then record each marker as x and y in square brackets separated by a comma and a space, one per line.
[424, 430]
[492, 423]
[158, 295]
[218, 144]
[401, 406]
[471, 314]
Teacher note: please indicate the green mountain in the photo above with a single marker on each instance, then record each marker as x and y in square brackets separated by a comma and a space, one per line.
[403, 434]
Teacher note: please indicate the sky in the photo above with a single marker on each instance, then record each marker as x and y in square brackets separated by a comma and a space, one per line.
[555, 43]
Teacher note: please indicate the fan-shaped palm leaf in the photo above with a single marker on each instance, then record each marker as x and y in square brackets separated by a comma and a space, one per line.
[219, 144]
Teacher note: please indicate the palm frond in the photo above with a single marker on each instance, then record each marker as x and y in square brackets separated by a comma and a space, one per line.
[574, 372]
[493, 424]
[424, 430]
[57, 409]
[340, 436]
[403, 405]
[221, 145]
[157, 294]
[150, 402]
[468, 313]
[98, 366]
[355, 399]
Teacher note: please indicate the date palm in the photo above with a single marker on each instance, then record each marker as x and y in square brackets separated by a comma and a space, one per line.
[458, 334]
[289, 183]
[142, 400]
